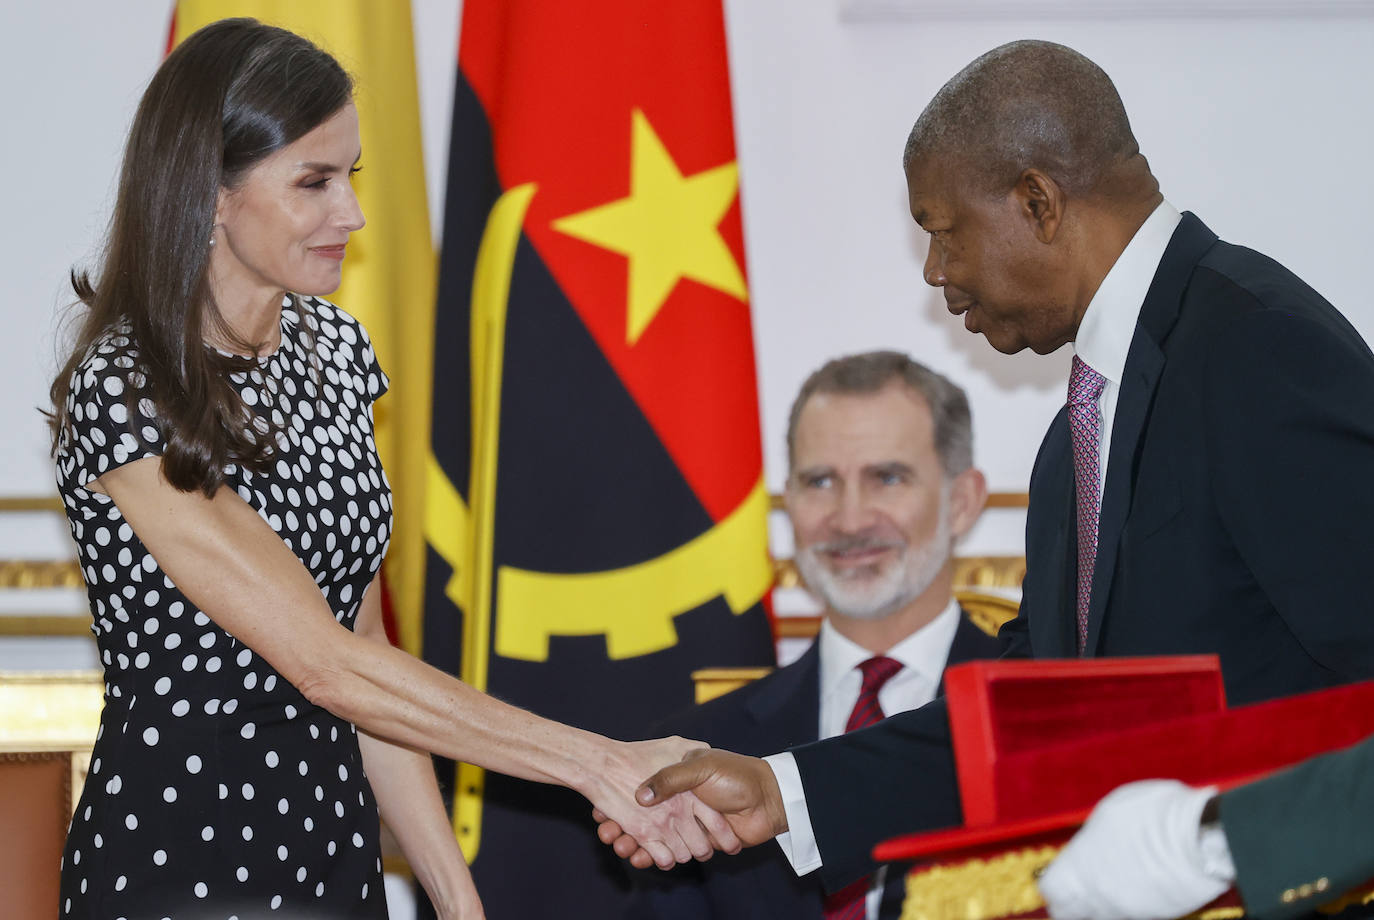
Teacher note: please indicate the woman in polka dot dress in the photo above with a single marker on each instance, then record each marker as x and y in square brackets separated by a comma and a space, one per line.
[214, 447]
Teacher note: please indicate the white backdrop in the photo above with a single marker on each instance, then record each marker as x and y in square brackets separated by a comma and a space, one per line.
[1256, 120]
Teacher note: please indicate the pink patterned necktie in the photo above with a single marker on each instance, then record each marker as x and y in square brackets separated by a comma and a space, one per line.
[850, 902]
[1085, 428]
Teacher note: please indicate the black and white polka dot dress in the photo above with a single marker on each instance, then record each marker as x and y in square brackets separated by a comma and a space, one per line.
[216, 789]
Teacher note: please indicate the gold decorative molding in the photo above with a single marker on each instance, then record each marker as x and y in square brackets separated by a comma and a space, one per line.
[987, 611]
[43, 711]
[803, 627]
[970, 572]
[785, 573]
[40, 573]
[45, 625]
[989, 572]
[30, 503]
[776, 501]
[52, 714]
[713, 682]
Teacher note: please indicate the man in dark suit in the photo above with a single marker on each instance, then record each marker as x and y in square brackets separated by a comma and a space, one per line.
[880, 485]
[1206, 490]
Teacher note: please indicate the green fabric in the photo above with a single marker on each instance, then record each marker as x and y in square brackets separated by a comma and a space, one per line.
[1311, 822]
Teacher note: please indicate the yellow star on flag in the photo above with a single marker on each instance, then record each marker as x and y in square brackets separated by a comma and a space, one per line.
[667, 227]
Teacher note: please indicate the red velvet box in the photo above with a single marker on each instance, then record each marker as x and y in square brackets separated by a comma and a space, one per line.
[1037, 743]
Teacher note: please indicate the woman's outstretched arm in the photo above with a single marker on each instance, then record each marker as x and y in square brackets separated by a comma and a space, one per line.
[235, 568]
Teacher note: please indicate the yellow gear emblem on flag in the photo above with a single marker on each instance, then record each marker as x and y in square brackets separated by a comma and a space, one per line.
[634, 606]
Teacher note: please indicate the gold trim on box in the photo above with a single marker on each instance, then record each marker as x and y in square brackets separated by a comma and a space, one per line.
[1000, 886]
[978, 889]
[1004, 885]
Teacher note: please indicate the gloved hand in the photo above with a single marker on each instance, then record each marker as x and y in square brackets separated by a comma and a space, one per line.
[1139, 857]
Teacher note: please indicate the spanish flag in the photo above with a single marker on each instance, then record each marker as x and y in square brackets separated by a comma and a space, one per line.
[388, 278]
[596, 515]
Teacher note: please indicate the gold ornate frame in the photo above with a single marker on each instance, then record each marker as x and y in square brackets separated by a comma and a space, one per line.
[51, 714]
[33, 574]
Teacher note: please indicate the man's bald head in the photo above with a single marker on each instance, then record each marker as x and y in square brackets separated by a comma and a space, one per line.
[1027, 104]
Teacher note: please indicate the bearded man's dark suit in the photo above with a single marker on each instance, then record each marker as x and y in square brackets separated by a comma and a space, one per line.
[768, 715]
[1237, 519]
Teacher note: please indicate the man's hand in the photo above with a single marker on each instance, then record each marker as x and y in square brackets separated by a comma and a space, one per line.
[672, 830]
[742, 789]
[1138, 857]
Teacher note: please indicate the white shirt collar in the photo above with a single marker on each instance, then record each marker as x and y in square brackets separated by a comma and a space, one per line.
[924, 652]
[1104, 335]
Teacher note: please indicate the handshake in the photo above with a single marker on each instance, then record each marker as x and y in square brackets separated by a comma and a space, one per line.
[1136, 857]
[698, 800]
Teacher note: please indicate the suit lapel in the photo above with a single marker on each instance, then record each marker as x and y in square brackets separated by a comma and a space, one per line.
[1144, 366]
[970, 644]
[1051, 537]
[789, 705]
[788, 708]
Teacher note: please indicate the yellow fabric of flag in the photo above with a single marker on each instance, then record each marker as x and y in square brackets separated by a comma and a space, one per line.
[389, 275]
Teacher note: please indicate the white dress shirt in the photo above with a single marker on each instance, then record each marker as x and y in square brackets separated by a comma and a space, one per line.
[1103, 341]
[1104, 335]
[923, 655]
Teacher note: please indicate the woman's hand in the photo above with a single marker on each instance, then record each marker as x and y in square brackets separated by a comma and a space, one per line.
[742, 789]
[673, 831]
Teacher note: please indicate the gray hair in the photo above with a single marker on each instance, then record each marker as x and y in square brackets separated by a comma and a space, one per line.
[1026, 104]
[869, 372]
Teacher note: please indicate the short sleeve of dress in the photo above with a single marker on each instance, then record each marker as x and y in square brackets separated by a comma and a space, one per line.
[104, 431]
[350, 346]
[377, 380]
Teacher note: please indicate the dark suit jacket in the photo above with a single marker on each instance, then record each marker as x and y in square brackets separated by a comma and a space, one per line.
[777, 712]
[1307, 833]
[1237, 519]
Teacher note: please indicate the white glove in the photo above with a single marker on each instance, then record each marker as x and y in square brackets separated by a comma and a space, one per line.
[1140, 856]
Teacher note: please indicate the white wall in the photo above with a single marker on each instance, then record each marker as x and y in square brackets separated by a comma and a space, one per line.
[1261, 125]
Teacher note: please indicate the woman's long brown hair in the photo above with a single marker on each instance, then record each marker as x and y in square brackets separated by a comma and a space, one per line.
[230, 95]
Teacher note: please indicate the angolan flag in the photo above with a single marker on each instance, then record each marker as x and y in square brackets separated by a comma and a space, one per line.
[596, 509]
